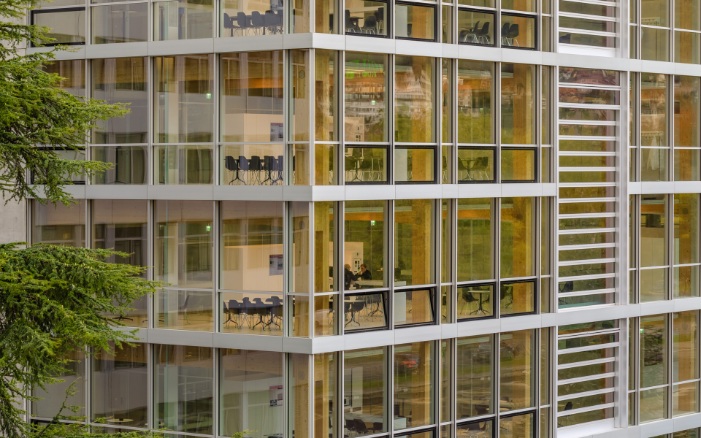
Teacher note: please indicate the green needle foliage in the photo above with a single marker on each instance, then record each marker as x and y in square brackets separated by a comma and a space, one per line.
[37, 117]
[53, 300]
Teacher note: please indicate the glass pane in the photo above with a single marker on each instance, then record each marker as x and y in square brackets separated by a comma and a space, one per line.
[251, 393]
[475, 362]
[518, 165]
[655, 13]
[190, 369]
[183, 164]
[517, 237]
[324, 246]
[251, 242]
[413, 385]
[653, 404]
[183, 245]
[325, 22]
[517, 360]
[251, 97]
[366, 17]
[252, 17]
[415, 22]
[119, 386]
[685, 346]
[653, 351]
[475, 242]
[655, 43]
[128, 164]
[325, 394]
[475, 91]
[184, 310]
[184, 107]
[685, 398]
[414, 165]
[59, 224]
[364, 243]
[68, 391]
[518, 426]
[481, 429]
[687, 47]
[414, 114]
[518, 31]
[121, 80]
[475, 165]
[251, 313]
[518, 109]
[475, 27]
[517, 298]
[122, 23]
[366, 97]
[253, 164]
[365, 398]
[413, 307]
[475, 301]
[446, 386]
[325, 95]
[365, 311]
[188, 19]
[653, 231]
[65, 26]
[413, 242]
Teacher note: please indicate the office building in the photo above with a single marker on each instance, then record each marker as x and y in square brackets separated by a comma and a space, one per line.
[517, 180]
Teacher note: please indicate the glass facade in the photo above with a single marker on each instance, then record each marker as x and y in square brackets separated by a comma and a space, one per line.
[464, 219]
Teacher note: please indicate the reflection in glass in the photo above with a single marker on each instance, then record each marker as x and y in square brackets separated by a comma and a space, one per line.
[517, 426]
[183, 388]
[251, 97]
[413, 236]
[413, 99]
[416, 22]
[366, 17]
[182, 164]
[365, 398]
[251, 392]
[517, 363]
[120, 23]
[59, 224]
[128, 164]
[119, 386]
[184, 310]
[475, 362]
[325, 94]
[413, 307]
[183, 243]
[64, 398]
[365, 97]
[518, 109]
[187, 19]
[517, 237]
[413, 385]
[474, 233]
[518, 165]
[183, 103]
[475, 91]
[66, 26]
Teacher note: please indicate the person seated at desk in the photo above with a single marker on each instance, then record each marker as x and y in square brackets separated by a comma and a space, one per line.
[364, 273]
[348, 276]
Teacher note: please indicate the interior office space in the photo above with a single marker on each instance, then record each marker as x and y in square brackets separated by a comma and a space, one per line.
[518, 179]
